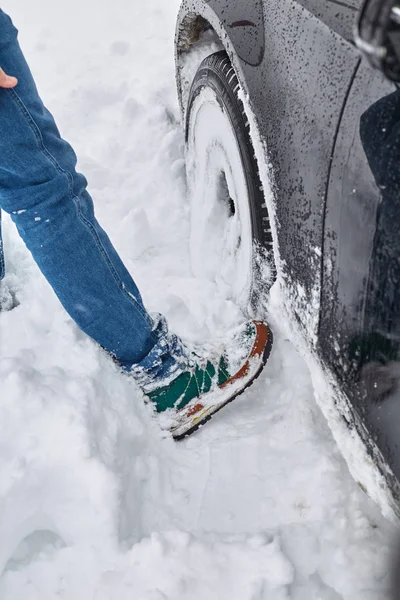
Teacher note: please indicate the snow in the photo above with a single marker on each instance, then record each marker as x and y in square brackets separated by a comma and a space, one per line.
[95, 501]
[221, 244]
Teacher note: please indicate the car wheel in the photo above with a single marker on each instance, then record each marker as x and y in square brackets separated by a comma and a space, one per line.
[230, 227]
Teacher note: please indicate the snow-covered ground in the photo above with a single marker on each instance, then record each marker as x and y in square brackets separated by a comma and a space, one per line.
[95, 503]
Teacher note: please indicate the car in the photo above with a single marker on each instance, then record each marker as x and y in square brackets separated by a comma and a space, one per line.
[292, 153]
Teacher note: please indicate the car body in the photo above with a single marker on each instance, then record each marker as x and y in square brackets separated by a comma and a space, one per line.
[308, 92]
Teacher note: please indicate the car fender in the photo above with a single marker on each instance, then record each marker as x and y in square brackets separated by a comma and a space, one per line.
[239, 27]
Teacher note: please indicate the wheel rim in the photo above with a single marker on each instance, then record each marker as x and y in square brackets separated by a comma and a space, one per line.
[221, 238]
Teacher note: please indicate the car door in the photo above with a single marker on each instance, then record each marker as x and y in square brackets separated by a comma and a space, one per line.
[360, 311]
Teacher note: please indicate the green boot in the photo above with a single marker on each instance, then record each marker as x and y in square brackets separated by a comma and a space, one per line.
[191, 384]
[194, 396]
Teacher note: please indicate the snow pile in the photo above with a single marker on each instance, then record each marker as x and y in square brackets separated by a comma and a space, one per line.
[170, 565]
[95, 502]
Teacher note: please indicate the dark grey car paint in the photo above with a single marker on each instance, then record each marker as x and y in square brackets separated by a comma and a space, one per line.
[308, 88]
[245, 26]
[339, 16]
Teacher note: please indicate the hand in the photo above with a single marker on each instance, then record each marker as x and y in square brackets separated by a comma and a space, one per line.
[6, 81]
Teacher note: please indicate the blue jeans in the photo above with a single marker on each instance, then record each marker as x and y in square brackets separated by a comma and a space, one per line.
[48, 202]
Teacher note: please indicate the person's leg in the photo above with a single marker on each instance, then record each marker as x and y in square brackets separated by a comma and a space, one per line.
[48, 201]
[49, 204]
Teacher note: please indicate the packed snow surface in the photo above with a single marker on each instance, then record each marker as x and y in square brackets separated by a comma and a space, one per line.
[95, 502]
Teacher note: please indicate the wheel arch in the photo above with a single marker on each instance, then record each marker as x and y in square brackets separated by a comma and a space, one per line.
[237, 30]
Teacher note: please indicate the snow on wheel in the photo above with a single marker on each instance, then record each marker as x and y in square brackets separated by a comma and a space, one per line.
[229, 219]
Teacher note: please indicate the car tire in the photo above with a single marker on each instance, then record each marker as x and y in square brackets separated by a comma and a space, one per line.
[226, 193]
